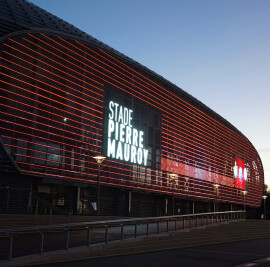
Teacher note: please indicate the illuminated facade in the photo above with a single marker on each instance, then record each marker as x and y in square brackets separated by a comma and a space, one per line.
[66, 97]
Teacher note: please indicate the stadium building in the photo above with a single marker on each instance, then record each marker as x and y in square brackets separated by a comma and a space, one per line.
[66, 97]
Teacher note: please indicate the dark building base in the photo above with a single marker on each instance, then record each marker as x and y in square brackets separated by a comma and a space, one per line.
[15, 193]
[45, 196]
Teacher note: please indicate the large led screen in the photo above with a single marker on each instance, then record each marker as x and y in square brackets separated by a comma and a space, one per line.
[240, 173]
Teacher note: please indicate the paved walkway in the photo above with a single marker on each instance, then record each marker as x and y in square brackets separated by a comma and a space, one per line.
[244, 253]
[54, 241]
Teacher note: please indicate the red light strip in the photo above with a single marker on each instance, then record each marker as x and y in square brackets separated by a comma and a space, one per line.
[207, 134]
[50, 133]
[100, 78]
[201, 163]
[40, 88]
[228, 173]
[125, 70]
[33, 100]
[102, 73]
[62, 58]
[115, 69]
[103, 63]
[198, 158]
[45, 96]
[39, 74]
[43, 138]
[51, 120]
[222, 143]
[120, 185]
[75, 159]
[54, 66]
[110, 67]
[88, 168]
[114, 178]
[131, 182]
[87, 155]
[201, 137]
[163, 90]
[188, 144]
[45, 42]
[24, 104]
[102, 182]
[47, 146]
[153, 180]
[200, 143]
[174, 96]
[131, 176]
[84, 173]
[65, 157]
[49, 126]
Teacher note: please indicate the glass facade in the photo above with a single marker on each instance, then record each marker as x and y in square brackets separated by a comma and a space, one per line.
[54, 107]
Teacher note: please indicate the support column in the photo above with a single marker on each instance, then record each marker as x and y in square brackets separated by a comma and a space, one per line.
[166, 206]
[73, 200]
[129, 202]
[78, 200]
[8, 198]
[30, 199]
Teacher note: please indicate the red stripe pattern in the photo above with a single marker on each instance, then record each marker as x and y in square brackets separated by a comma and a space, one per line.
[52, 109]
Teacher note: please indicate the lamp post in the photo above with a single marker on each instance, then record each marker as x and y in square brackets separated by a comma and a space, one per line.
[99, 160]
[244, 193]
[216, 186]
[173, 176]
[264, 198]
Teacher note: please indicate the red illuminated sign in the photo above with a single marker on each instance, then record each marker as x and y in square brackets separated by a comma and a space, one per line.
[240, 173]
[195, 172]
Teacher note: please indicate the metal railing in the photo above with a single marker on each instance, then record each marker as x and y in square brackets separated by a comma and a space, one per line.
[37, 240]
[38, 201]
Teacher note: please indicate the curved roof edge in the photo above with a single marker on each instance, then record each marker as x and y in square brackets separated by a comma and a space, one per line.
[121, 56]
[19, 16]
